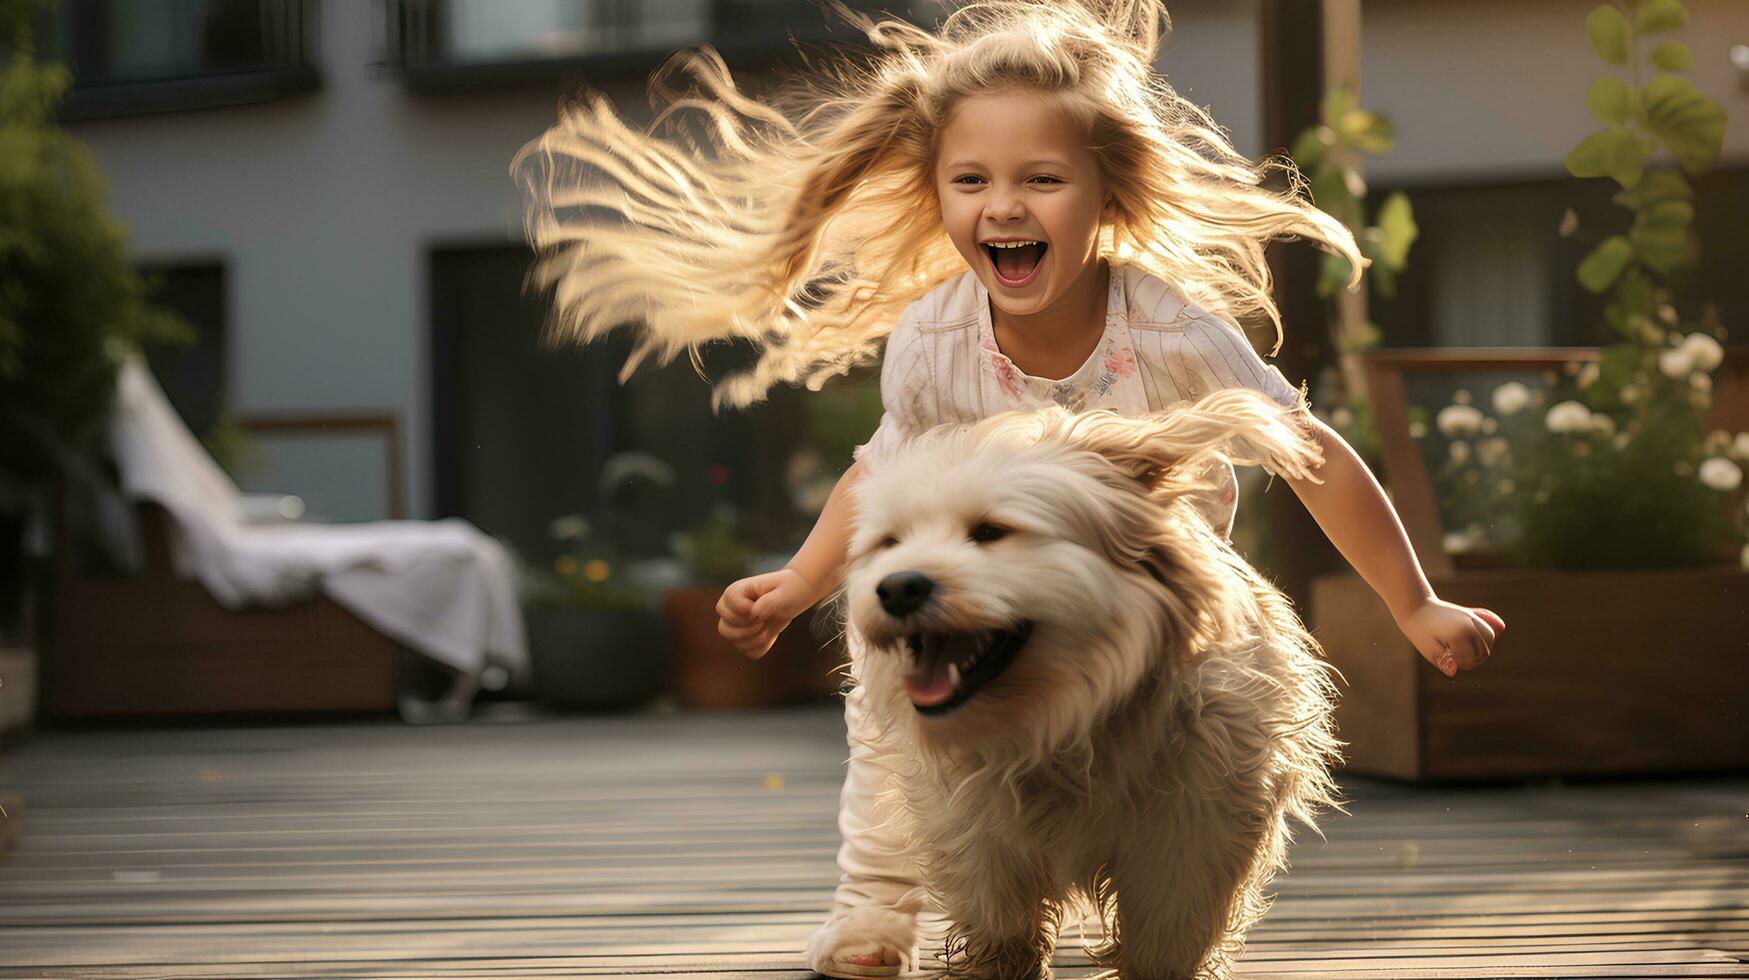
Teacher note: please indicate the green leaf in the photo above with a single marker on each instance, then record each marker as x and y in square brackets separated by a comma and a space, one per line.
[1397, 229]
[1665, 216]
[1656, 187]
[1660, 235]
[1607, 30]
[1611, 153]
[1337, 102]
[1633, 294]
[1330, 193]
[1354, 342]
[1689, 123]
[1605, 263]
[1610, 100]
[1587, 158]
[1333, 274]
[1308, 151]
[1660, 15]
[1369, 132]
[1673, 56]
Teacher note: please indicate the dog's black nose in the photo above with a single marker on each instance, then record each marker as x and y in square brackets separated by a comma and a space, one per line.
[902, 592]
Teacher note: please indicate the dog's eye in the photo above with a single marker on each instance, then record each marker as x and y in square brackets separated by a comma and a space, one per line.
[986, 532]
[888, 542]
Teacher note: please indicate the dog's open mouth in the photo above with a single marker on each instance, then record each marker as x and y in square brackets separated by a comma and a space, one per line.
[948, 668]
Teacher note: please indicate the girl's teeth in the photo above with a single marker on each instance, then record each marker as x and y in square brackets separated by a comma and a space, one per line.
[953, 674]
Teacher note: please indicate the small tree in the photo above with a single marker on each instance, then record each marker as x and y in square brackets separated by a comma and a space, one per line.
[68, 296]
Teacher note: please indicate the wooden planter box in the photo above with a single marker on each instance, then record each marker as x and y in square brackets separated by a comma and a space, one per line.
[710, 674]
[1598, 673]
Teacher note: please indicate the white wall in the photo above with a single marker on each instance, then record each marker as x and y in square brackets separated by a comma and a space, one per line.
[1495, 89]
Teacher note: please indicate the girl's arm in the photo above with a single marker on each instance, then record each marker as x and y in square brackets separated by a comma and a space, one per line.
[754, 610]
[1352, 509]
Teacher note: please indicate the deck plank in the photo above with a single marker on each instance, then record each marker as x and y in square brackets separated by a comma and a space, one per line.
[703, 846]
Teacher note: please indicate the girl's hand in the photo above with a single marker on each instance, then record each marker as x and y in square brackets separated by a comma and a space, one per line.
[1452, 637]
[754, 610]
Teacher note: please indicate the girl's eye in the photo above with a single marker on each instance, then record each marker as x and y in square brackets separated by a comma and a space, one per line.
[1049, 178]
[986, 532]
[962, 178]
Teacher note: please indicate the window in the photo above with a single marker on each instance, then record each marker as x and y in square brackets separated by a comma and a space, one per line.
[522, 430]
[460, 44]
[132, 56]
[192, 375]
[1490, 267]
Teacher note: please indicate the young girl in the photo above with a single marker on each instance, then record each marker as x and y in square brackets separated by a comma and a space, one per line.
[1028, 216]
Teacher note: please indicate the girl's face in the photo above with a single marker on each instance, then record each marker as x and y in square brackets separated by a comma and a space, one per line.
[1012, 167]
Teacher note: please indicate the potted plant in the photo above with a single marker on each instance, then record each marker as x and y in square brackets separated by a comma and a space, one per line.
[596, 640]
[1598, 508]
[709, 673]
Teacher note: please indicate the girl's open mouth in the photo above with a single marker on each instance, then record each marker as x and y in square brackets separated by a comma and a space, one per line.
[1016, 263]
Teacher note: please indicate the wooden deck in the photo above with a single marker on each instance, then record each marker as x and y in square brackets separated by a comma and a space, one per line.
[703, 846]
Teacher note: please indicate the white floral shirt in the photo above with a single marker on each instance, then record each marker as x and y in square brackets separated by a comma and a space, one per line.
[942, 364]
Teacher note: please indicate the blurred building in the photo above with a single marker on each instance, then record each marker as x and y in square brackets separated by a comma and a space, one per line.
[324, 189]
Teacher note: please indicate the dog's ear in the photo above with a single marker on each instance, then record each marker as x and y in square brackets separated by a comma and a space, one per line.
[1239, 423]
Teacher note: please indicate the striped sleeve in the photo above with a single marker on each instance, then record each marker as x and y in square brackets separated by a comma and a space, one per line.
[905, 408]
[1216, 355]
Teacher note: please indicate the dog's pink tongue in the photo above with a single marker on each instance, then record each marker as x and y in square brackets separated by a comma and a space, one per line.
[929, 684]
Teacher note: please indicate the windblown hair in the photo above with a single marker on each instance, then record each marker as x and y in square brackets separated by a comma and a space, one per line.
[804, 224]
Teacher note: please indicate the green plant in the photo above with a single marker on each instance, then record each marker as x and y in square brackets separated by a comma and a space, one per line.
[69, 299]
[715, 552]
[1621, 469]
[589, 574]
[1328, 154]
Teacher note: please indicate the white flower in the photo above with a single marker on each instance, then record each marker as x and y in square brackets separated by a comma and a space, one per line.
[1700, 382]
[1621, 440]
[1568, 416]
[1417, 430]
[1602, 424]
[1630, 394]
[1510, 397]
[1457, 544]
[1458, 420]
[1720, 474]
[1491, 452]
[1341, 417]
[1675, 362]
[1703, 350]
[1461, 396]
[1740, 446]
[1588, 374]
[1667, 313]
[1460, 452]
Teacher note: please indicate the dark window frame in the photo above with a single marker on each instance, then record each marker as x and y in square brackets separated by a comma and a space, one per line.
[288, 69]
[414, 48]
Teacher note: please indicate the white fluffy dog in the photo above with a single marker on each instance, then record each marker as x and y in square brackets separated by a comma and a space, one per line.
[1093, 698]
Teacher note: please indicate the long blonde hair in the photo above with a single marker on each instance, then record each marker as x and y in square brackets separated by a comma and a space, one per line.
[807, 222]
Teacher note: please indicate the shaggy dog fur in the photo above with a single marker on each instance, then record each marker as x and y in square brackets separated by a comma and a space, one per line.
[1092, 700]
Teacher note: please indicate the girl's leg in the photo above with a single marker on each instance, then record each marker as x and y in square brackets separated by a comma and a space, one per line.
[872, 929]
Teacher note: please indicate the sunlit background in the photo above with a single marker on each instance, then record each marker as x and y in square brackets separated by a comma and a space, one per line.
[319, 194]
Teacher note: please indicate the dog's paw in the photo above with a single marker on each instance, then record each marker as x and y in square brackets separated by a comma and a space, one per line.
[857, 943]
